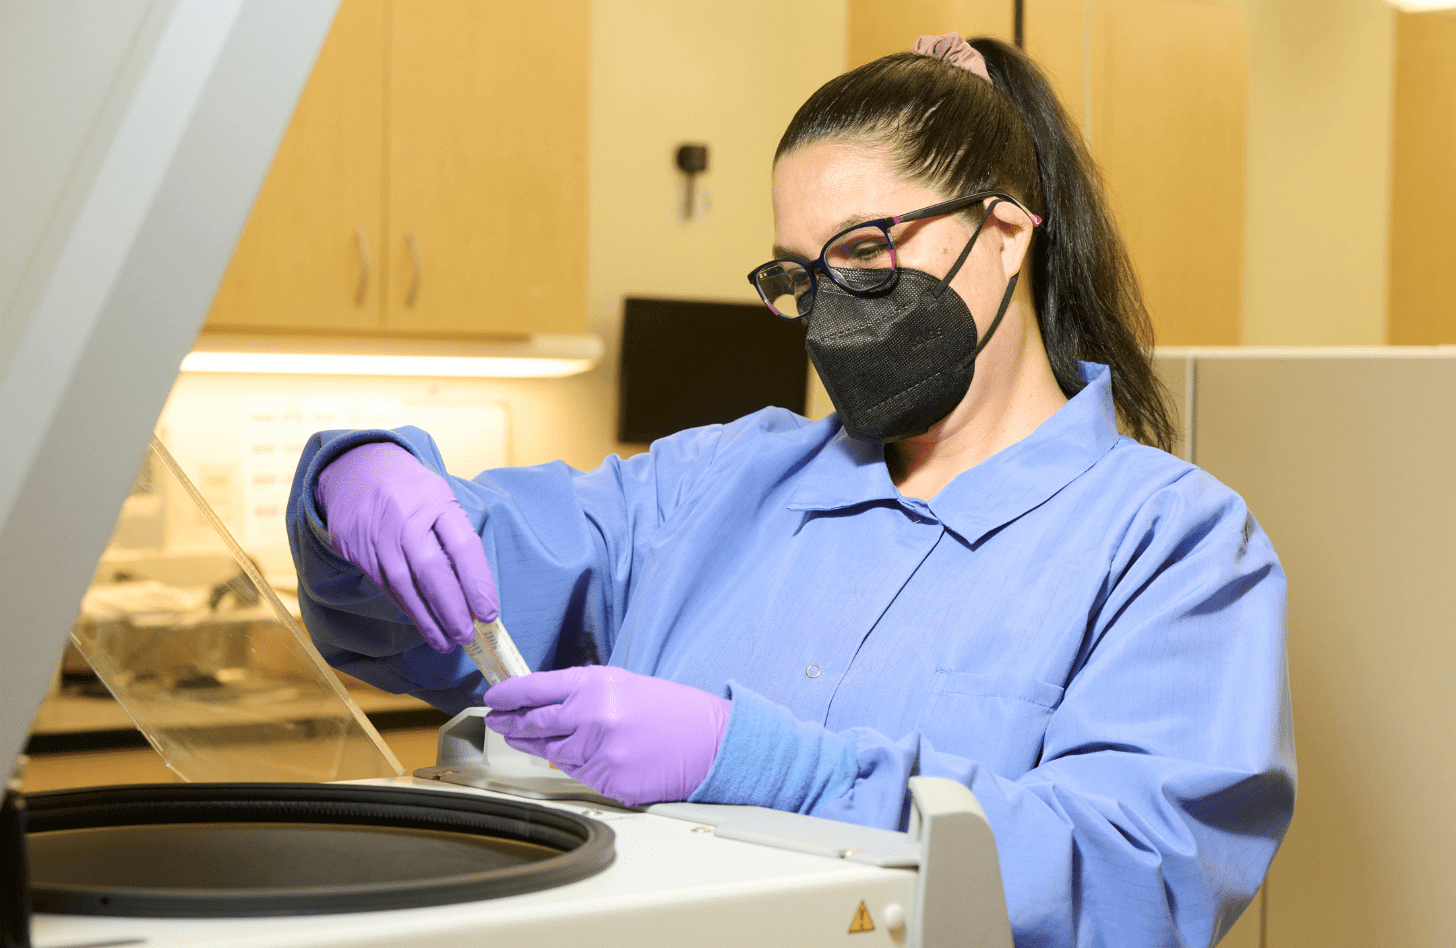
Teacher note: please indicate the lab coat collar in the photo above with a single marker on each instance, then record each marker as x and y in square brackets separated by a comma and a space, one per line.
[991, 494]
[846, 473]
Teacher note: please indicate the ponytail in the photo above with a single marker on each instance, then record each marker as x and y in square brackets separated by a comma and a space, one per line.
[957, 134]
[1088, 301]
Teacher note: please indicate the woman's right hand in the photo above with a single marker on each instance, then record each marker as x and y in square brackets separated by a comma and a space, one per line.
[401, 524]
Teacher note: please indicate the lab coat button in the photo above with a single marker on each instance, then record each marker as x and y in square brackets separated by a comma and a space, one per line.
[813, 671]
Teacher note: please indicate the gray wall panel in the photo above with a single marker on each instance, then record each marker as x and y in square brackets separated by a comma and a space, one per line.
[1175, 371]
[1349, 464]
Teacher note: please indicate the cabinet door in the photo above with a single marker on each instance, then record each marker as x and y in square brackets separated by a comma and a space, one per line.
[487, 145]
[309, 257]
[1159, 86]
[1168, 117]
[1423, 191]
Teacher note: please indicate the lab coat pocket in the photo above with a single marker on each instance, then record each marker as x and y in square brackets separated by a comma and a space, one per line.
[996, 720]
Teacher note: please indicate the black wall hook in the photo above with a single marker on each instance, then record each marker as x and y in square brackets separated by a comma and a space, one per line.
[692, 159]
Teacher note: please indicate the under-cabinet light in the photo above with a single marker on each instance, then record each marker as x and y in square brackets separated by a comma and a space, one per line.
[1422, 6]
[539, 356]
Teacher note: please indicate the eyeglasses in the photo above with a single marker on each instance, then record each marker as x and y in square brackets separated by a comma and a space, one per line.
[860, 260]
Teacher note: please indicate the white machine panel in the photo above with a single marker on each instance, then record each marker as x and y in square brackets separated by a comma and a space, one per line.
[674, 883]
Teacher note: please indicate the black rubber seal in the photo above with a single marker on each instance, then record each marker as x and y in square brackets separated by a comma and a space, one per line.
[583, 846]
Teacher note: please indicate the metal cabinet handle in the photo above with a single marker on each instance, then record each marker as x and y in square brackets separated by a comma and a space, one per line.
[419, 269]
[363, 288]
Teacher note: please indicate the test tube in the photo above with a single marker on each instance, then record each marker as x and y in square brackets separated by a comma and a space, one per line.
[494, 653]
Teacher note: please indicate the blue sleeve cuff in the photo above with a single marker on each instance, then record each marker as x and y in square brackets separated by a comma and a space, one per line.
[770, 758]
[355, 627]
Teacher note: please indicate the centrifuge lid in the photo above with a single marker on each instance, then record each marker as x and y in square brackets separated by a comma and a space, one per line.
[151, 128]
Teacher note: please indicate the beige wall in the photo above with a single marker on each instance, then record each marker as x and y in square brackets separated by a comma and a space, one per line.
[666, 72]
[1160, 87]
[1318, 184]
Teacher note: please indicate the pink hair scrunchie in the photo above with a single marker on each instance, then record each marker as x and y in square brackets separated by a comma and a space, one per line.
[954, 50]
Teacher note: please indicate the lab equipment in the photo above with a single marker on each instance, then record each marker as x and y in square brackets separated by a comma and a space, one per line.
[232, 850]
[682, 874]
[225, 862]
[211, 665]
[158, 123]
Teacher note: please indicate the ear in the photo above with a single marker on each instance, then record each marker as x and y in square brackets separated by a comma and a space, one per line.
[1015, 227]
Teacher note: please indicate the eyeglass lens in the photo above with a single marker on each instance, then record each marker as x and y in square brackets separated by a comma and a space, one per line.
[789, 291]
[864, 248]
[787, 288]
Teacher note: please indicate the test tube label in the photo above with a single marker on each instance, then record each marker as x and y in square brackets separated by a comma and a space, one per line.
[494, 652]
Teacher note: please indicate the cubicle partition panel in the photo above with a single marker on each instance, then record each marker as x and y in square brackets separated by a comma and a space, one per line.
[1347, 458]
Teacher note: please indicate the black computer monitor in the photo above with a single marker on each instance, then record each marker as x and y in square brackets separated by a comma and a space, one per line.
[687, 363]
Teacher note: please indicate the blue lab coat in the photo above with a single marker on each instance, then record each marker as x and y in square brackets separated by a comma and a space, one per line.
[1088, 632]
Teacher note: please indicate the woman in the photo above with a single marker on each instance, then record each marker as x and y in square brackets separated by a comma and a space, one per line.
[965, 572]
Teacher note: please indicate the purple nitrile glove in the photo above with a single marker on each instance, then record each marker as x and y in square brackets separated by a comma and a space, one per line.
[401, 524]
[634, 738]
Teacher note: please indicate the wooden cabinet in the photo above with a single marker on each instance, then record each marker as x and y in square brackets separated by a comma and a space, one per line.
[1423, 190]
[432, 182]
[307, 258]
[1168, 114]
[1159, 89]
[487, 165]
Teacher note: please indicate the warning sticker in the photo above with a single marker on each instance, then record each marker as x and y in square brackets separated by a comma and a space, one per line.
[862, 921]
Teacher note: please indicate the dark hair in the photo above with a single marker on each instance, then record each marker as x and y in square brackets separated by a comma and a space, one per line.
[957, 133]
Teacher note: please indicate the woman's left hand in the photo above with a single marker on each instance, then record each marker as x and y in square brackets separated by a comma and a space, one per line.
[632, 737]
